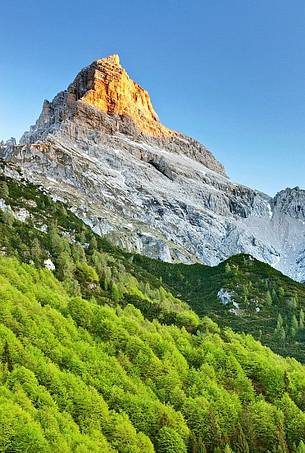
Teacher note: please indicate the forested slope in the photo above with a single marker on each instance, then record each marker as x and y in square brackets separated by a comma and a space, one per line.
[243, 293]
[77, 375]
[99, 356]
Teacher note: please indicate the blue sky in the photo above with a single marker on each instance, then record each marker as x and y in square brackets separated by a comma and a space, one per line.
[227, 72]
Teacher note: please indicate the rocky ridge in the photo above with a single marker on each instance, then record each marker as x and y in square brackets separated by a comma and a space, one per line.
[101, 148]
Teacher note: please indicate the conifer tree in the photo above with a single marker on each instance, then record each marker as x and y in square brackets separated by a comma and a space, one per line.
[227, 268]
[115, 292]
[294, 326]
[197, 444]
[241, 444]
[8, 218]
[301, 319]
[268, 298]
[36, 252]
[6, 357]
[4, 190]
[93, 244]
[279, 332]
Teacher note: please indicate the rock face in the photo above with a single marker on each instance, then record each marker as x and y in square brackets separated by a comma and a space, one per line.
[103, 101]
[106, 86]
[100, 147]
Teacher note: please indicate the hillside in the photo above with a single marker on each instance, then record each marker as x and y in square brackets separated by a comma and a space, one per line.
[264, 302]
[244, 294]
[98, 355]
[82, 376]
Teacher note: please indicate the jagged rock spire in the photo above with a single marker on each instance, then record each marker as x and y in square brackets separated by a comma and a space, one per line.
[103, 99]
[106, 85]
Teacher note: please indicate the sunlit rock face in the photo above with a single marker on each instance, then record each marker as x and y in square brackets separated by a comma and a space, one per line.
[107, 86]
[103, 101]
[101, 148]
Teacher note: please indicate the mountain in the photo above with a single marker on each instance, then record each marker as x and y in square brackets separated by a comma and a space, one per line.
[97, 355]
[101, 148]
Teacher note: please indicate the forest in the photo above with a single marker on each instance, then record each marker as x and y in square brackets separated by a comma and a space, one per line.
[101, 355]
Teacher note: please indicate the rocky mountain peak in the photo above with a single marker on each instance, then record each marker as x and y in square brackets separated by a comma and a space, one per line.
[111, 59]
[103, 105]
[106, 86]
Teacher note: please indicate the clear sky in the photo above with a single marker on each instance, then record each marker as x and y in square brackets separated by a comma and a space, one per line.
[227, 72]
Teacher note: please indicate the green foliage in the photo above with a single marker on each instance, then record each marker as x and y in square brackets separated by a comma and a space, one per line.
[301, 319]
[100, 356]
[279, 332]
[301, 447]
[78, 375]
[169, 441]
[261, 292]
[4, 190]
[294, 326]
[6, 360]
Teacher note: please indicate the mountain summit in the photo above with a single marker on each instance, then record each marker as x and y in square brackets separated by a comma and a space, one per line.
[102, 98]
[106, 85]
[100, 147]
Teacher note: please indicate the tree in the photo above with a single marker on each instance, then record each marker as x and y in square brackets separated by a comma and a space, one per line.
[208, 326]
[268, 298]
[280, 335]
[241, 444]
[294, 419]
[99, 262]
[227, 268]
[301, 319]
[19, 432]
[36, 253]
[61, 210]
[55, 240]
[6, 357]
[8, 217]
[275, 297]
[169, 441]
[82, 235]
[280, 322]
[279, 332]
[4, 190]
[293, 303]
[266, 421]
[73, 287]
[294, 327]
[115, 292]
[197, 444]
[78, 253]
[107, 278]
[65, 266]
[93, 244]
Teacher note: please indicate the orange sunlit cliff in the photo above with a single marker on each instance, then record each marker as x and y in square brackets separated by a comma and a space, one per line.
[110, 89]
